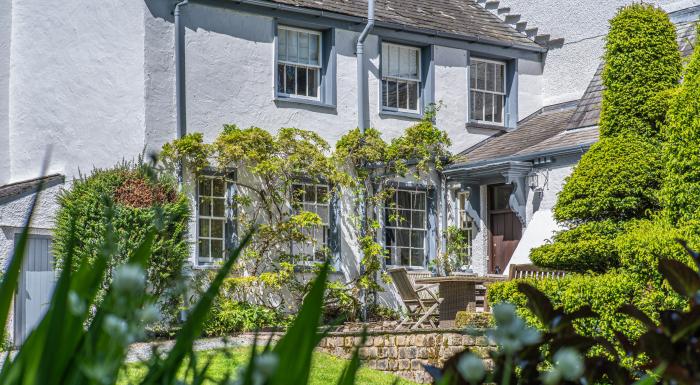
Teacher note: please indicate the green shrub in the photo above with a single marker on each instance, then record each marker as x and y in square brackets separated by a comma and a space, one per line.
[641, 59]
[229, 317]
[618, 178]
[587, 247]
[605, 293]
[125, 198]
[681, 189]
[470, 319]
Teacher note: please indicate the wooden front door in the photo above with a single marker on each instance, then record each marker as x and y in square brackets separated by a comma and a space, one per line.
[505, 229]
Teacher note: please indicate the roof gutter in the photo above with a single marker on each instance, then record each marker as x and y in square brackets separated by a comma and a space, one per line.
[362, 97]
[518, 158]
[180, 100]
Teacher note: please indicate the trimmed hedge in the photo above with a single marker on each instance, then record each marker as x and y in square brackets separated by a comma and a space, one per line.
[587, 247]
[134, 195]
[618, 178]
[681, 189]
[641, 58]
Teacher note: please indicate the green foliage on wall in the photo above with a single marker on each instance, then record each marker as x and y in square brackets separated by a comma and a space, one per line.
[681, 189]
[641, 58]
[587, 247]
[618, 178]
[128, 199]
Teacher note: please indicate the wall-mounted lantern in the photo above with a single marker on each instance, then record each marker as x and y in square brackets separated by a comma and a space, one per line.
[533, 180]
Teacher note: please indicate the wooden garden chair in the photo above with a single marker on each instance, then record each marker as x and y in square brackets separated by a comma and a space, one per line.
[419, 309]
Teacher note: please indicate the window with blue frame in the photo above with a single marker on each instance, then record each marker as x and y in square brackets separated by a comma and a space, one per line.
[299, 62]
[487, 86]
[401, 78]
[406, 227]
[214, 222]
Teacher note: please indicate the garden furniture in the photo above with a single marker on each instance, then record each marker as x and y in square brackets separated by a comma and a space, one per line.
[420, 309]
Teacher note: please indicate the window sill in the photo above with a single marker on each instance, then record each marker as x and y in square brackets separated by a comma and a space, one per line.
[486, 126]
[401, 114]
[309, 102]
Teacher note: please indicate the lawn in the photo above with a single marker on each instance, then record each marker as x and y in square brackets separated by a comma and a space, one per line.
[325, 370]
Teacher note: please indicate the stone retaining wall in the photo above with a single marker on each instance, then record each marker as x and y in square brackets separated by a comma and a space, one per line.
[404, 352]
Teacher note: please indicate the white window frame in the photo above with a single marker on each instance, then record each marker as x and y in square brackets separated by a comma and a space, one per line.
[396, 259]
[208, 261]
[462, 215]
[504, 93]
[419, 94]
[325, 226]
[287, 63]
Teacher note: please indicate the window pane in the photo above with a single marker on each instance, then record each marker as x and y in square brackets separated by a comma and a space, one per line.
[413, 96]
[389, 237]
[219, 190]
[403, 95]
[282, 44]
[217, 228]
[417, 257]
[291, 79]
[418, 219]
[490, 76]
[219, 207]
[205, 206]
[413, 64]
[500, 77]
[419, 201]
[403, 199]
[404, 62]
[403, 238]
[303, 48]
[404, 219]
[478, 112]
[203, 248]
[480, 75]
[205, 187]
[204, 227]
[488, 107]
[301, 81]
[393, 61]
[385, 93]
[391, 97]
[310, 193]
[292, 46]
[217, 249]
[498, 115]
[405, 256]
[314, 49]
[472, 76]
[313, 82]
[322, 194]
[390, 217]
[417, 239]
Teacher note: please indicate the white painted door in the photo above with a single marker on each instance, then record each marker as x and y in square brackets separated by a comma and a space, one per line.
[36, 285]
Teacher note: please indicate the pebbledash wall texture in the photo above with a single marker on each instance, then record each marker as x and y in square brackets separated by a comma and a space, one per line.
[405, 352]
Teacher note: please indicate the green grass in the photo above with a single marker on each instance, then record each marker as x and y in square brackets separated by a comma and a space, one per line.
[325, 369]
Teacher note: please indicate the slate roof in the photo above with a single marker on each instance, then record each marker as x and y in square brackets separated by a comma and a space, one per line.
[11, 190]
[462, 18]
[588, 112]
[544, 126]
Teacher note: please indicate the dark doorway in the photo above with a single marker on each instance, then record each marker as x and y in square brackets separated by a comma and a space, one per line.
[505, 229]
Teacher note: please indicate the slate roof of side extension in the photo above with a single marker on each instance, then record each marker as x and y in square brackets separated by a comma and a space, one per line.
[542, 131]
[588, 112]
[461, 18]
[9, 191]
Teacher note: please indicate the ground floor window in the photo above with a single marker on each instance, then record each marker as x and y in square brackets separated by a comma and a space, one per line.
[212, 220]
[313, 198]
[465, 224]
[405, 228]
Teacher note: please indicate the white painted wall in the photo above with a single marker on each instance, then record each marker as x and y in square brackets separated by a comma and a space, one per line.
[5, 33]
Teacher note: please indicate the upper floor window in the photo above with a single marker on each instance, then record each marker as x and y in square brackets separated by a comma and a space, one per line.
[405, 227]
[299, 62]
[212, 218]
[401, 84]
[487, 85]
[313, 198]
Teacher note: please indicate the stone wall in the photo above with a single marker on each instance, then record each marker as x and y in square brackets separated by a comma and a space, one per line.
[403, 353]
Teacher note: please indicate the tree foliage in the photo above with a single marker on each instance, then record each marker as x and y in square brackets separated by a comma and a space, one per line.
[642, 58]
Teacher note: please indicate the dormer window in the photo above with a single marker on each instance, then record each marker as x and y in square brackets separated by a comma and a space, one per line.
[487, 85]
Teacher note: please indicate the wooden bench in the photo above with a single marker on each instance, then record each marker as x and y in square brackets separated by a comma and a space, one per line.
[532, 271]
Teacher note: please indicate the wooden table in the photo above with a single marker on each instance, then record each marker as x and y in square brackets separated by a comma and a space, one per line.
[458, 293]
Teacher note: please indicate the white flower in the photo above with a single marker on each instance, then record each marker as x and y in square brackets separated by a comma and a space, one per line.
[569, 362]
[471, 367]
[129, 279]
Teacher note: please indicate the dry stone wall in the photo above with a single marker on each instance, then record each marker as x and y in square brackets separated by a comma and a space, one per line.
[404, 352]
